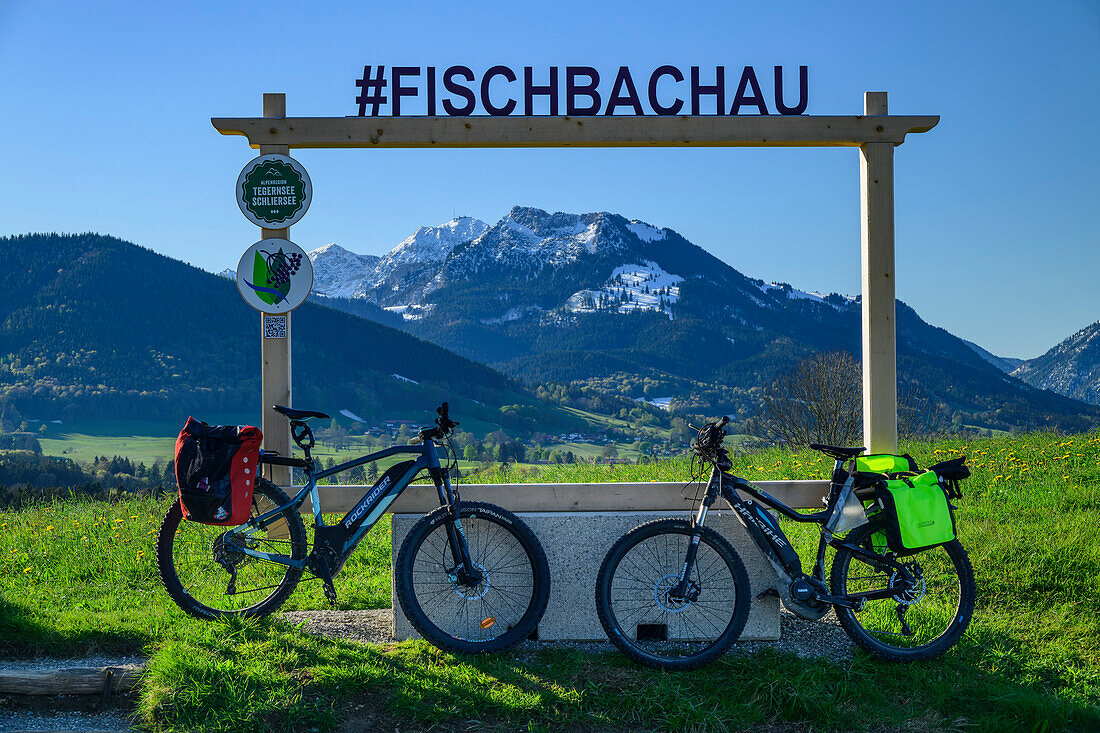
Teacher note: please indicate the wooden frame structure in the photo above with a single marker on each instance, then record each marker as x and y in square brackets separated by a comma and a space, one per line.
[875, 133]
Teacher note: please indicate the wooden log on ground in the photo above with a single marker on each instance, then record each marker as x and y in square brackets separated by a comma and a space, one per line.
[70, 680]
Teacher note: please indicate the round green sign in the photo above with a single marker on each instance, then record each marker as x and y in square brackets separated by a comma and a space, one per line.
[274, 191]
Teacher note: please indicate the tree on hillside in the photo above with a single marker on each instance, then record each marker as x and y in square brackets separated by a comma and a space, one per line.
[821, 401]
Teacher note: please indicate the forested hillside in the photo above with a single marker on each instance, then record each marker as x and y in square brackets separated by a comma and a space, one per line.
[92, 326]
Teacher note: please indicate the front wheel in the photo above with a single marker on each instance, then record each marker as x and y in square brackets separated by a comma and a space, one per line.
[925, 618]
[643, 613]
[497, 613]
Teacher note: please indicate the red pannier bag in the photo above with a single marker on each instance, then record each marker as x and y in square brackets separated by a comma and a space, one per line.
[216, 471]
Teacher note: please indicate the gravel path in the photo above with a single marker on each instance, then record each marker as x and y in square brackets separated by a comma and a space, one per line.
[105, 722]
[803, 638]
[39, 663]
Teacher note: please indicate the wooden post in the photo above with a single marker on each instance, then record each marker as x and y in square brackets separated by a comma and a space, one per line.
[880, 382]
[275, 372]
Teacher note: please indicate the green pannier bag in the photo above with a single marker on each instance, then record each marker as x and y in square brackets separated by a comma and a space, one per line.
[915, 514]
[886, 463]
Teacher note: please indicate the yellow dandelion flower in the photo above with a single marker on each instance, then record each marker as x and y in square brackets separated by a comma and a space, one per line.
[50, 528]
[26, 570]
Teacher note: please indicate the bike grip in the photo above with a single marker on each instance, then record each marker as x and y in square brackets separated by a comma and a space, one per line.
[722, 423]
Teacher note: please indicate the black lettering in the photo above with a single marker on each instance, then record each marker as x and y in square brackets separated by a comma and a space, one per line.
[803, 96]
[398, 91]
[431, 91]
[660, 109]
[617, 99]
[531, 90]
[486, 80]
[717, 90]
[458, 89]
[572, 89]
[748, 78]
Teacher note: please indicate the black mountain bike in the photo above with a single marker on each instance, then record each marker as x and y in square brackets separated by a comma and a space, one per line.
[674, 594]
[471, 577]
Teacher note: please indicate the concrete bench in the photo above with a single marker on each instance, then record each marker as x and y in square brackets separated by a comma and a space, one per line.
[577, 524]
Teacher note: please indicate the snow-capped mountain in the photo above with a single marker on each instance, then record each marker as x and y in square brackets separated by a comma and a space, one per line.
[337, 272]
[614, 303]
[1072, 368]
[417, 259]
[340, 273]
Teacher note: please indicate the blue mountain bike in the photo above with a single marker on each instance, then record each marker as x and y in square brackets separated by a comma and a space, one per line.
[470, 577]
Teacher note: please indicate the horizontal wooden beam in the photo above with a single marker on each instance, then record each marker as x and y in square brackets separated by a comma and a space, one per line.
[70, 680]
[604, 497]
[553, 132]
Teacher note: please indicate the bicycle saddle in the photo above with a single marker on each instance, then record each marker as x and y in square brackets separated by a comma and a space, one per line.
[841, 454]
[293, 414]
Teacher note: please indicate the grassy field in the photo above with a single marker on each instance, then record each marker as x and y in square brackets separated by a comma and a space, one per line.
[79, 577]
[149, 441]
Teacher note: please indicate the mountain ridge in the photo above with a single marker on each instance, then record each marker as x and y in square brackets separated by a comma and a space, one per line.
[536, 292]
[1071, 367]
[96, 327]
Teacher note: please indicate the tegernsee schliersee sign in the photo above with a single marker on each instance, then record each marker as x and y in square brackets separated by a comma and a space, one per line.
[274, 191]
[456, 91]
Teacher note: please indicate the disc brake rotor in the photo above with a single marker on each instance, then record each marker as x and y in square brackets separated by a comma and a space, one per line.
[662, 594]
[911, 593]
[472, 593]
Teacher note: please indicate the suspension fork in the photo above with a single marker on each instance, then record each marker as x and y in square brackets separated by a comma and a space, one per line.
[464, 571]
[697, 523]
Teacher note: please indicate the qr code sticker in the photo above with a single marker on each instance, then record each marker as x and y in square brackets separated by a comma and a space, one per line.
[274, 327]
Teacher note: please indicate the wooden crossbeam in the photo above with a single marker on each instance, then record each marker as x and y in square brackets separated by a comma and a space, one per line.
[544, 132]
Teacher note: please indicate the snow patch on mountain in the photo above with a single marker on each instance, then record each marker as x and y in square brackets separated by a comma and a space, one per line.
[337, 272]
[645, 232]
[840, 302]
[631, 288]
[411, 311]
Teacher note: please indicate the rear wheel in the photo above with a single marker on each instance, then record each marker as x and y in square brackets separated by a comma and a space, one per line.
[925, 618]
[207, 575]
[497, 613]
[638, 607]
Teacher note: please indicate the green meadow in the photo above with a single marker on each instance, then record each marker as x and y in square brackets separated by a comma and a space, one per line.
[79, 577]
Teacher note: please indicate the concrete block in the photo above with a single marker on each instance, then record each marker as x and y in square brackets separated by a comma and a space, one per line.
[575, 545]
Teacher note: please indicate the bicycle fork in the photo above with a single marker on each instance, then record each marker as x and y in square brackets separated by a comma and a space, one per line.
[465, 572]
[685, 589]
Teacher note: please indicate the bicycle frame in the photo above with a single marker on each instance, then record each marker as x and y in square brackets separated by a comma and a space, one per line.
[343, 537]
[771, 540]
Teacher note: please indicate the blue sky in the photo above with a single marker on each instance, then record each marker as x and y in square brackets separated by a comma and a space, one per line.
[105, 109]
